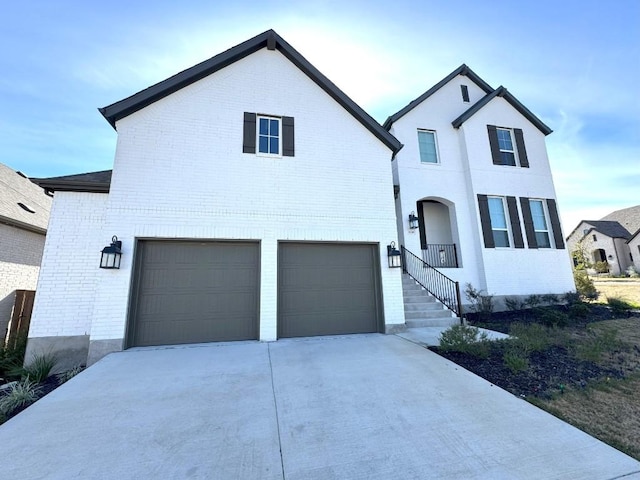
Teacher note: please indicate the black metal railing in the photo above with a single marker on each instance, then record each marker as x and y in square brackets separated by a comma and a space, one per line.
[441, 255]
[436, 283]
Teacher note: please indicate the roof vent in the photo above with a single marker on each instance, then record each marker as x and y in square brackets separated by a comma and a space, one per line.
[24, 207]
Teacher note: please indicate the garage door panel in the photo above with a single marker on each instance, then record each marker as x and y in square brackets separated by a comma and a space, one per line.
[192, 292]
[327, 289]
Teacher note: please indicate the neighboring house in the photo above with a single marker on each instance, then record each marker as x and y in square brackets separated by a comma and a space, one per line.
[610, 240]
[24, 214]
[634, 250]
[255, 200]
[474, 171]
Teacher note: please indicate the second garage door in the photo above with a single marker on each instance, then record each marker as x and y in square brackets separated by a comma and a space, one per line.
[191, 292]
[328, 289]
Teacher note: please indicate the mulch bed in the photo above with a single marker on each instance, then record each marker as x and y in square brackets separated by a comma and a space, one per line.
[549, 371]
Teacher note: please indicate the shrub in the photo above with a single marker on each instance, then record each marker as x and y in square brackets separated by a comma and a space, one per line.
[516, 359]
[481, 304]
[533, 301]
[550, 299]
[20, 394]
[584, 285]
[572, 297]
[69, 374]
[38, 369]
[601, 267]
[553, 318]
[598, 342]
[513, 304]
[579, 310]
[618, 305]
[12, 356]
[632, 272]
[532, 337]
[465, 339]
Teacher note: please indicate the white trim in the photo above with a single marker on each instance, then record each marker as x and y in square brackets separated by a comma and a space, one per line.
[545, 212]
[507, 220]
[514, 146]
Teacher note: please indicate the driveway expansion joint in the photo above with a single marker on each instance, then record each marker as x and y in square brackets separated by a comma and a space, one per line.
[275, 404]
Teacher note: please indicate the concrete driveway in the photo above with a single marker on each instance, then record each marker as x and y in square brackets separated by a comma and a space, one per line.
[351, 407]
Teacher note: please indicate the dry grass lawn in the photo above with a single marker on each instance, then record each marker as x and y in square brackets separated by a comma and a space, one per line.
[609, 409]
[624, 288]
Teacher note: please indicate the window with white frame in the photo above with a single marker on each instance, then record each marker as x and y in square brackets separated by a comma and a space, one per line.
[269, 138]
[428, 146]
[499, 223]
[540, 223]
[506, 145]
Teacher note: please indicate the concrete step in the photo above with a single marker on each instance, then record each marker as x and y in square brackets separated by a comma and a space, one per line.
[442, 313]
[422, 307]
[419, 298]
[433, 322]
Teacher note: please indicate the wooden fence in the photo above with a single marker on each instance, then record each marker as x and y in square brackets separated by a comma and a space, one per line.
[21, 317]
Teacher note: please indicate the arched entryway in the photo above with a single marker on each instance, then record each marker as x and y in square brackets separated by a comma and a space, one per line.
[438, 232]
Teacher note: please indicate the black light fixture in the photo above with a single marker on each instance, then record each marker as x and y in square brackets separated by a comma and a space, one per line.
[111, 254]
[413, 221]
[395, 259]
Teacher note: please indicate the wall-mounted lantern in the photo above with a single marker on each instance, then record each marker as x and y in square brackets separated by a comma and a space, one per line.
[395, 259]
[413, 221]
[111, 254]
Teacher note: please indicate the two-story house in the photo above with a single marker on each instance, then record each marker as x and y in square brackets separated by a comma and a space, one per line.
[251, 199]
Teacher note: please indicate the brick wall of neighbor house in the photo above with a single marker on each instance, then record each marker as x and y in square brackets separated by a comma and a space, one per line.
[634, 248]
[465, 170]
[65, 295]
[179, 172]
[20, 257]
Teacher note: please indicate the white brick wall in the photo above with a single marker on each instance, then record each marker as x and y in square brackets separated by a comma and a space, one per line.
[20, 256]
[179, 172]
[66, 288]
[465, 170]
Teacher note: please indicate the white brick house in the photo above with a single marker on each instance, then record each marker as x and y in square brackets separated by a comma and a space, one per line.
[24, 214]
[255, 200]
[252, 164]
[474, 171]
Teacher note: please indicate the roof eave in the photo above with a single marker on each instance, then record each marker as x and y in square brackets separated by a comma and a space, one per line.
[22, 225]
[72, 186]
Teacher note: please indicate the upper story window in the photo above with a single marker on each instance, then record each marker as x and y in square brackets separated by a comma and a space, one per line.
[268, 135]
[428, 146]
[499, 224]
[505, 143]
[540, 223]
[507, 146]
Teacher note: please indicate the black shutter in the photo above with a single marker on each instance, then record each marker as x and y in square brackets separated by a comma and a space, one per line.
[485, 221]
[522, 152]
[288, 142]
[421, 227]
[465, 93]
[516, 230]
[249, 133]
[528, 222]
[555, 223]
[493, 143]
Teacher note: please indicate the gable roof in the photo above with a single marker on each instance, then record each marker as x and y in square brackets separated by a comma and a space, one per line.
[606, 227]
[513, 101]
[95, 182]
[634, 236]
[629, 217]
[270, 40]
[461, 70]
[16, 189]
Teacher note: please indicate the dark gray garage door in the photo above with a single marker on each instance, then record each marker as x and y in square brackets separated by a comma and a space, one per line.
[328, 289]
[190, 292]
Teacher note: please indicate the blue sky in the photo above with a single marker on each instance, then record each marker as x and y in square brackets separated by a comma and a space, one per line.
[573, 63]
